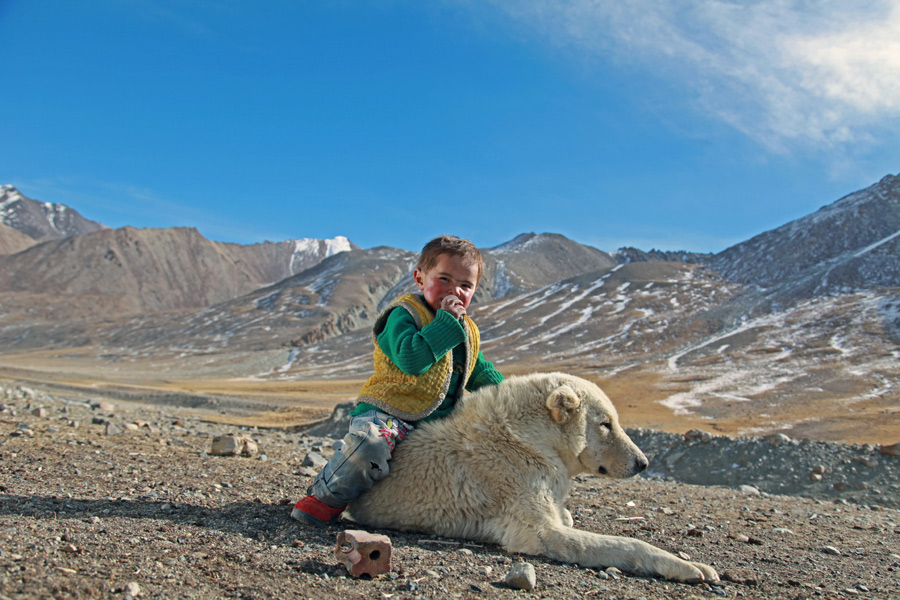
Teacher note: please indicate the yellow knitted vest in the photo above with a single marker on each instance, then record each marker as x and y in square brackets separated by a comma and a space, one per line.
[414, 397]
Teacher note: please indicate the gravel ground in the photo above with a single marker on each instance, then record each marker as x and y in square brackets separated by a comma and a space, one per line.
[123, 500]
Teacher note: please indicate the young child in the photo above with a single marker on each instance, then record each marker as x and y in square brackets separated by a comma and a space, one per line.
[426, 355]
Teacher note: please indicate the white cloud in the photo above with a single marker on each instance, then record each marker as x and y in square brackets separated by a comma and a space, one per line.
[784, 72]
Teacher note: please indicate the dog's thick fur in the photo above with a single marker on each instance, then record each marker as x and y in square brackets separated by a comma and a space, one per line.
[498, 470]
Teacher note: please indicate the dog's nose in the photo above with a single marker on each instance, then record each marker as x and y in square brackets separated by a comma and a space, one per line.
[640, 464]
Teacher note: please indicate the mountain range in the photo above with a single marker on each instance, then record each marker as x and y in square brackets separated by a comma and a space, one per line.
[805, 313]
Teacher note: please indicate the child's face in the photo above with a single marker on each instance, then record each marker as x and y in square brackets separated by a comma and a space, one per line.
[449, 276]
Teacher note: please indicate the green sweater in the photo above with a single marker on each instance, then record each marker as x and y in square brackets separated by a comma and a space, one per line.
[415, 351]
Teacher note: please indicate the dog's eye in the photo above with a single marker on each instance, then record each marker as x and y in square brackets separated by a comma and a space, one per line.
[606, 425]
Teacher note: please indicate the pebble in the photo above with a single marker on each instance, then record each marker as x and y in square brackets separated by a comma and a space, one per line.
[521, 577]
[783, 530]
[830, 550]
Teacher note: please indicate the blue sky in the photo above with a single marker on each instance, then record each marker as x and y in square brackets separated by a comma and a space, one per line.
[657, 124]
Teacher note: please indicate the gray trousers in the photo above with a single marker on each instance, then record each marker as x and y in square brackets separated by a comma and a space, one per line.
[361, 460]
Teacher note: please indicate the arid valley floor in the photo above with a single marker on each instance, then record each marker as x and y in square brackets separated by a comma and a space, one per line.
[108, 489]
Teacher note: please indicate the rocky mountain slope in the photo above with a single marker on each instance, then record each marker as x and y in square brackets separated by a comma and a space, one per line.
[13, 240]
[795, 328]
[530, 261]
[112, 272]
[850, 244]
[41, 220]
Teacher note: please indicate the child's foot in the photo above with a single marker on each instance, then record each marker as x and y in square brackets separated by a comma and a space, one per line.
[313, 511]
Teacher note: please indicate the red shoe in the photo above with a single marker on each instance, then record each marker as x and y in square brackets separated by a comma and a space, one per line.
[313, 511]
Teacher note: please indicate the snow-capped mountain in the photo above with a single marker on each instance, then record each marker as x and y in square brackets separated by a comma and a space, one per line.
[41, 220]
[275, 261]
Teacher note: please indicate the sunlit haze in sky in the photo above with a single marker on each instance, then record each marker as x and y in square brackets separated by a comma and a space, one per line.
[650, 123]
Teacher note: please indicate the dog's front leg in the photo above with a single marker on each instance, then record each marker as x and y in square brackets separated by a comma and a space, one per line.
[540, 535]
[628, 554]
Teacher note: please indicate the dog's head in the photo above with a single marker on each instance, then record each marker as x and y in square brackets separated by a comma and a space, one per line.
[592, 427]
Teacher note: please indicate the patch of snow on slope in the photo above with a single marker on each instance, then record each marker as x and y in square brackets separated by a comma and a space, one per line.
[871, 247]
[502, 285]
[568, 303]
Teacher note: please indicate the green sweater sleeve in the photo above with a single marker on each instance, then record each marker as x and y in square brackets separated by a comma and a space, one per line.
[415, 351]
[484, 374]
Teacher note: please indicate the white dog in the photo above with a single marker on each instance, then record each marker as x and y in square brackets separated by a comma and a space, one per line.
[498, 470]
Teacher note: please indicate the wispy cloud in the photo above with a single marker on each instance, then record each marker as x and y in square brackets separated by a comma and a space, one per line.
[784, 72]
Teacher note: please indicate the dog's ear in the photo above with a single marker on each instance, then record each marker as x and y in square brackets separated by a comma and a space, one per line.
[562, 403]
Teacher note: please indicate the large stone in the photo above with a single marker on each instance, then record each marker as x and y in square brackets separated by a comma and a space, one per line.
[364, 554]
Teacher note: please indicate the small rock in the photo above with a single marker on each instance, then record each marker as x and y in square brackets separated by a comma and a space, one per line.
[783, 531]
[830, 550]
[892, 450]
[314, 460]
[815, 477]
[749, 489]
[40, 412]
[740, 576]
[819, 469]
[113, 429]
[777, 439]
[232, 445]
[521, 577]
[132, 589]
[105, 406]
[698, 434]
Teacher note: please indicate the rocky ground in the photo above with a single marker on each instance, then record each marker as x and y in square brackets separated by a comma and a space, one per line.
[117, 499]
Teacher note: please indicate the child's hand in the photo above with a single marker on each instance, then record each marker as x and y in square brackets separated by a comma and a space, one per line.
[454, 306]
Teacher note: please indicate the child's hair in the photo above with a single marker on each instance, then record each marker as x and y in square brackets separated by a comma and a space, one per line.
[448, 244]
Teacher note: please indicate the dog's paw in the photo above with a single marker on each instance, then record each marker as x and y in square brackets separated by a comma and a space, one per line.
[685, 571]
[709, 574]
